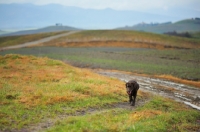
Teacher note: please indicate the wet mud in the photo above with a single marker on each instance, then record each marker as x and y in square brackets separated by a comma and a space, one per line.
[178, 92]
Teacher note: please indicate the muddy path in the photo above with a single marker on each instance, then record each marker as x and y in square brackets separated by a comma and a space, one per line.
[179, 92]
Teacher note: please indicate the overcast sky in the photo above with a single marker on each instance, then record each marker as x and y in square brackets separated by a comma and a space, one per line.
[140, 5]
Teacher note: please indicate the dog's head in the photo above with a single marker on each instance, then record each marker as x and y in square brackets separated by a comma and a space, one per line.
[129, 88]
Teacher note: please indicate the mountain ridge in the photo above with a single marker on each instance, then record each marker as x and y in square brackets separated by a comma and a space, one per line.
[26, 15]
[55, 28]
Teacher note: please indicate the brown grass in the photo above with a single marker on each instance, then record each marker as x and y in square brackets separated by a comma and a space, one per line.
[42, 81]
[117, 38]
[131, 44]
[136, 116]
[178, 80]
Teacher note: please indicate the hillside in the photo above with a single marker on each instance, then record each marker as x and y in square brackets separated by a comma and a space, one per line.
[188, 25]
[109, 38]
[38, 88]
[56, 28]
[6, 41]
[124, 38]
[41, 94]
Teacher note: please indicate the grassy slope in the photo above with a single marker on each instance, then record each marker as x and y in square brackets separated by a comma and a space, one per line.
[156, 116]
[182, 64]
[179, 63]
[115, 38]
[174, 58]
[196, 35]
[108, 38]
[15, 40]
[34, 89]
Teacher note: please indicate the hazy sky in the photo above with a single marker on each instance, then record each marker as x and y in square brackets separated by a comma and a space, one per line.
[118, 4]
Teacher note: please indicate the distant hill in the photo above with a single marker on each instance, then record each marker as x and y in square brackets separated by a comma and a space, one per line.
[188, 25]
[31, 16]
[2, 32]
[55, 28]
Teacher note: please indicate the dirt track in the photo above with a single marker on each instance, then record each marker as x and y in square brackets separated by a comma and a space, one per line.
[179, 92]
[38, 41]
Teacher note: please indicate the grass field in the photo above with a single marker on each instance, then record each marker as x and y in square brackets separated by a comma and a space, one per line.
[115, 38]
[196, 35]
[157, 115]
[132, 51]
[40, 90]
[179, 63]
[35, 88]
[40, 93]
[15, 40]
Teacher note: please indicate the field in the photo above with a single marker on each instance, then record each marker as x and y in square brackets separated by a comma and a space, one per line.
[178, 63]
[137, 52]
[40, 91]
[115, 38]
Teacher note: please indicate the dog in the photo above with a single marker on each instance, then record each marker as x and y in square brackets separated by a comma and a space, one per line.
[131, 88]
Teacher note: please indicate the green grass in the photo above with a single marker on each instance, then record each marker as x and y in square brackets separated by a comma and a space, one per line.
[15, 40]
[157, 115]
[179, 63]
[34, 90]
[196, 35]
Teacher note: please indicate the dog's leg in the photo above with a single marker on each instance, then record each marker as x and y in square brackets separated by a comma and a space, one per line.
[134, 98]
[130, 99]
[133, 102]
